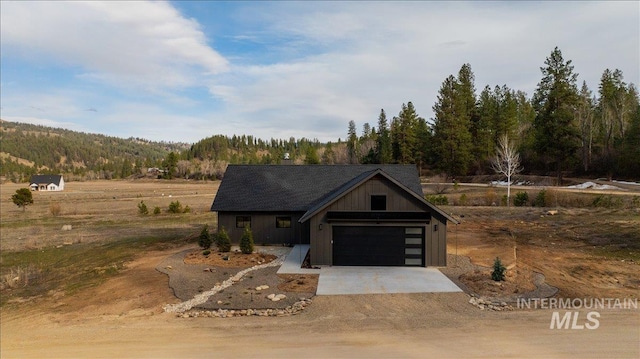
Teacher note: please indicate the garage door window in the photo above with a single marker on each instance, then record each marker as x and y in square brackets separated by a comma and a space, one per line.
[413, 246]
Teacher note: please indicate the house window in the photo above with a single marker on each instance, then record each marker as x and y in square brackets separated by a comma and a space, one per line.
[243, 221]
[378, 203]
[283, 222]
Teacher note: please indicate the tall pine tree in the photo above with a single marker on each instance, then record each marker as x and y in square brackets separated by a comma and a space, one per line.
[554, 101]
[453, 112]
[383, 142]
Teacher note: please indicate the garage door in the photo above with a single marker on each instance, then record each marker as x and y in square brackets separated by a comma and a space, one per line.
[377, 246]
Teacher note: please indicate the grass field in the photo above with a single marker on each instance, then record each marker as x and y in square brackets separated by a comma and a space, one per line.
[38, 257]
[591, 247]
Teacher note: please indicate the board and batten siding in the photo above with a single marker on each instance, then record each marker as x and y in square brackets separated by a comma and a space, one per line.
[358, 199]
[263, 226]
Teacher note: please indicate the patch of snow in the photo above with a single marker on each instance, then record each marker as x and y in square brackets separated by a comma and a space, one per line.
[499, 183]
[592, 185]
[625, 182]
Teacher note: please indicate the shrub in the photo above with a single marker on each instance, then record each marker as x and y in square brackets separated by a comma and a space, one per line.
[222, 240]
[186, 209]
[204, 240]
[206, 252]
[541, 199]
[607, 201]
[463, 199]
[175, 207]
[246, 241]
[438, 200]
[55, 209]
[490, 197]
[504, 200]
[156, 210]
[521, 199]
[497, 274]
[142, 208]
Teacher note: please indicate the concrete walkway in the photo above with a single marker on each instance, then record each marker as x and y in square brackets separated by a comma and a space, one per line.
[293, 262]
[376, 280]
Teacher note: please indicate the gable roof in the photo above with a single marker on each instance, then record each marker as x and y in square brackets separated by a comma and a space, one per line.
[46, 179]
[286, 188]
[294, 188]
[357, 181]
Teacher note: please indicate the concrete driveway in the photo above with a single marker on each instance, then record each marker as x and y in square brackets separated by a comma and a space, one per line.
[374, 280]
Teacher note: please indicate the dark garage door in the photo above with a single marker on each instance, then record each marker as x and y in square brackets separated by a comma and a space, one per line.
[377, 246]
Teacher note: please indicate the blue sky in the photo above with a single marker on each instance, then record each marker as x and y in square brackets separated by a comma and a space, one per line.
[183, 71]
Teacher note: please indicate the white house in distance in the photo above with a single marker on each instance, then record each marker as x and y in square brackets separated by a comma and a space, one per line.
[47, 183]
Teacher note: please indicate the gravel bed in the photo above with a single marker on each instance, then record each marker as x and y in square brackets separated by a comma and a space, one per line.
[189, 280]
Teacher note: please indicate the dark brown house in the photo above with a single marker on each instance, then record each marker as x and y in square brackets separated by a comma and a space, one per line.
[349, 214]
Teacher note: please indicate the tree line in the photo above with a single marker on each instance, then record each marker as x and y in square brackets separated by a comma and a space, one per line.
[561, 129]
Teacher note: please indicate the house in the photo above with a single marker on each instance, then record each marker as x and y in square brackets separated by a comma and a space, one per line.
[349, 214]
[47, 183]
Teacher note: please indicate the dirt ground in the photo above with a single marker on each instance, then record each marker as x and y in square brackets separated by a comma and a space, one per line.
[583, 252]
[123, 318]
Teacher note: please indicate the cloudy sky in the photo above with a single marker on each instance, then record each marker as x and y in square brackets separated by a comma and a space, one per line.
[183, 71]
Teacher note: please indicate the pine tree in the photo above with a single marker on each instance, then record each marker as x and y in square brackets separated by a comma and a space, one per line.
[311, 156]
[223, 242]
[246, 241]
[204, 240]
[497, 274]
[383, 142]
[554, 101]
[452, 142]
[352, 142]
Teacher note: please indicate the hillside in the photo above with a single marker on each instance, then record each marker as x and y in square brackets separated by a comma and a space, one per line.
[28, 149]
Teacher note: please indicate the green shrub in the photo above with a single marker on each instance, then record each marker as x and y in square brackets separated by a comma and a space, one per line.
[223, 241]
[438, 200]
[246, 241]
[464, 200]
[156, 210]
[521, 199]
[607, 201]
[504, 200]
[497, 274]
[204, 240]
[175, 207]
[186, 209]
[541, 199]
[142, 208]
[206, 252]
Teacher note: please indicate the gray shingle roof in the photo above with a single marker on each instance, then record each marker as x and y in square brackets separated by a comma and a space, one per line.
[46, 179]
[273, 188]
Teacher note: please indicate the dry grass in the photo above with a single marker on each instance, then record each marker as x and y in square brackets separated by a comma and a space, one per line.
[103, 211]
[78, 237]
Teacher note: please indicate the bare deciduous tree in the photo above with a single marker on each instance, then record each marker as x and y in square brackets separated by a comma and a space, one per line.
[506, 162]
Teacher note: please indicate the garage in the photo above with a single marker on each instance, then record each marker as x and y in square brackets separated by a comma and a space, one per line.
[378, 246]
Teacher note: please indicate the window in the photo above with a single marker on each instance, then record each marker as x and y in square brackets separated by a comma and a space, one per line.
[243, 221]
[283, 222]
[378, 203]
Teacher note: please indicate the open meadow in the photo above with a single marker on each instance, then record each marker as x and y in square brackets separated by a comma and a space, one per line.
[94, 291]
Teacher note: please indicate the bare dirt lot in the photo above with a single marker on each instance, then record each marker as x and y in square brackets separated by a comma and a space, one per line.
[584, 252]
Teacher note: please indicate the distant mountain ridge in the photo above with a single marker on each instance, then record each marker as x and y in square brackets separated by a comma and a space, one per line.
[28, 149]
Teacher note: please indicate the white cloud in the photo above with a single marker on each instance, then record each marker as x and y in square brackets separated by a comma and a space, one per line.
[320, 64]
[364, 56]
[130, 44]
